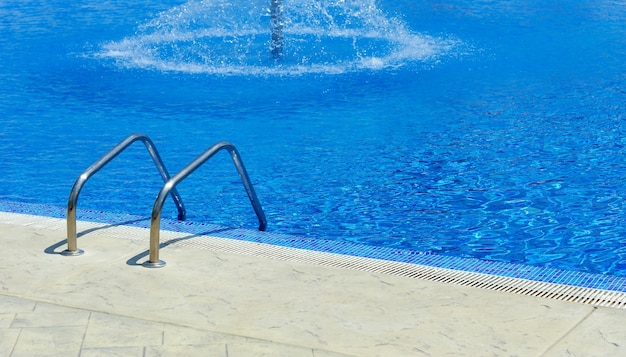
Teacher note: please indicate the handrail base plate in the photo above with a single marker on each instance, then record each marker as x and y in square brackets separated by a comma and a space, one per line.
[149, 264]
[72, 253]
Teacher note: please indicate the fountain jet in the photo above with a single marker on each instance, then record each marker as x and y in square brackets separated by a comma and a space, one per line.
[275, 37]
[276, 22]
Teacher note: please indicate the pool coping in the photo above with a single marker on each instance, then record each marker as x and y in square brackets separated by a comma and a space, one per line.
[390, 255]
[239, 298]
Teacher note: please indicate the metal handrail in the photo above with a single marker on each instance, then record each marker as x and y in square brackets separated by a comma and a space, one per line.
[155, 219]
[72, 248]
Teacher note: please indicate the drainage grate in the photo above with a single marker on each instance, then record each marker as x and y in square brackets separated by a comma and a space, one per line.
[564, 292]
[596, 297]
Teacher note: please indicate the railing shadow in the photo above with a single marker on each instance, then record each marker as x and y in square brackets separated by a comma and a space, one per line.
[135, 260]
[53, 248]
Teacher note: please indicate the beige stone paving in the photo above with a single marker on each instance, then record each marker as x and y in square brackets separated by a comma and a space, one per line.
[211, 303]
[42, 329]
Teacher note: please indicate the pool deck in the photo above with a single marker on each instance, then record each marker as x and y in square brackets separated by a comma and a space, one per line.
[216, 303]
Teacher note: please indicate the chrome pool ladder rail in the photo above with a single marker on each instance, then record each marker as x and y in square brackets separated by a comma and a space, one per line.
[72, 246]
[170, 185]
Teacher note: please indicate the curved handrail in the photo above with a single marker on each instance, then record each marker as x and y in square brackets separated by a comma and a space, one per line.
[155, 219]
[72, 248]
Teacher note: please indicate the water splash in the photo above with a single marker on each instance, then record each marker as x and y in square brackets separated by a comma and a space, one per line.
[234, 38]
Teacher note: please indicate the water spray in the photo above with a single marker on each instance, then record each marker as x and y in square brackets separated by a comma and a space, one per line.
[276, 22]
[250, 38]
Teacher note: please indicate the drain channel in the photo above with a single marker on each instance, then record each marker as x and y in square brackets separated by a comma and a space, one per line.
[584, 295]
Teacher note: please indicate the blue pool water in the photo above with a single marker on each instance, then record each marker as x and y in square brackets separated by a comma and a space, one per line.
[493, 130]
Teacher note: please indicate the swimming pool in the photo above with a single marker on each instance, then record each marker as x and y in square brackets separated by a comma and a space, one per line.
[492, 130]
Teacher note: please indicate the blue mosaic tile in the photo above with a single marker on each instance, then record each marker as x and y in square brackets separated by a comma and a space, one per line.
[550, 275]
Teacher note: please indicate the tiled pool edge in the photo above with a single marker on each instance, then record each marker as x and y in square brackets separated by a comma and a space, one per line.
[456, 264]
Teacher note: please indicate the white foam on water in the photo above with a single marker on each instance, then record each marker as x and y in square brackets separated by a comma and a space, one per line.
[233, 38]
